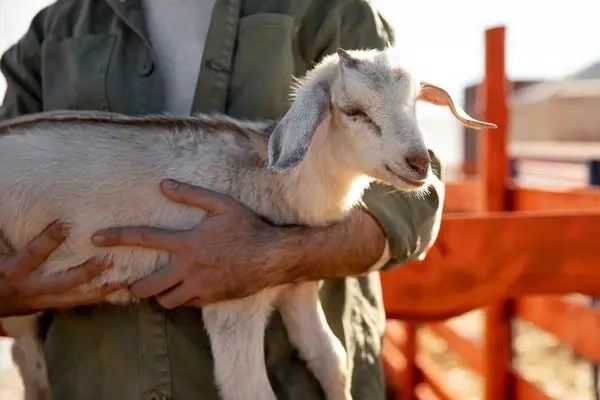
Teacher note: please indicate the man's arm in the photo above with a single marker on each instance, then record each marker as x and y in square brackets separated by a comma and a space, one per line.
[205, 266]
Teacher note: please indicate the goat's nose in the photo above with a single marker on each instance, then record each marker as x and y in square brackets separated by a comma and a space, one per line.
[419, 162]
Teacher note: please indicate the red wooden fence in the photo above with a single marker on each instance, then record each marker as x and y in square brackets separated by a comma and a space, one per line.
[499, 245]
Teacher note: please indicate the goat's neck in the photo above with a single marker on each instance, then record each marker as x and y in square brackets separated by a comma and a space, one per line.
[324, 187]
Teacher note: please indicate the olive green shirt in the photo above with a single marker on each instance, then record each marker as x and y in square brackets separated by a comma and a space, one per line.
[95, 55]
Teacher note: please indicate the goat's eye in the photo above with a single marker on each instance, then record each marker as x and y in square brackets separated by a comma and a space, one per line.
[356, 113]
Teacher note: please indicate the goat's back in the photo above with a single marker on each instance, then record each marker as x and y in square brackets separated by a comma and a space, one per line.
[99, 175]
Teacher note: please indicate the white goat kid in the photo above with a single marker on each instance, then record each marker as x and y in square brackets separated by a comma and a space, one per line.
[352, 121]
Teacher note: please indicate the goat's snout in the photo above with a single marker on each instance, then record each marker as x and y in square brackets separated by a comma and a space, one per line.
[419, 162]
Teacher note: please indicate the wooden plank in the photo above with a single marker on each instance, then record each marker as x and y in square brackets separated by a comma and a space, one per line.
[399, 357]
[469, 351]
[567, 152]
[554, 175]
[393, 355]
[471, 354]
[494, 164]
[481, 258]
[575, 324]
[394, 364]
[394, 331]
[412, 375]
[530, 199]
[462, 196]
[434, 377]
[424, 392]
[525, 390]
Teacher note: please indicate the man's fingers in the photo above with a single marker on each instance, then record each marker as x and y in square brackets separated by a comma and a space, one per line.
[209, 200]
[175, 297]
[155, 238]
[197, 302]
[38, 249]
[77, 297]
[63, 282]
[163, 279]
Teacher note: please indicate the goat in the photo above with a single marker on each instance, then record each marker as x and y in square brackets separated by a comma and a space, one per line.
[352, 121]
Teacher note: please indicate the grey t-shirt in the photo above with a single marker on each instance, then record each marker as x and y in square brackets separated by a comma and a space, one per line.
[178, 61]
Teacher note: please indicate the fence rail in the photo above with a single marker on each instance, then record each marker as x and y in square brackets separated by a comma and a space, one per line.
[520, 252]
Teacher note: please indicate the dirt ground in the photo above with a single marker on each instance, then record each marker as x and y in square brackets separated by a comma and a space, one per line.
[539, 357]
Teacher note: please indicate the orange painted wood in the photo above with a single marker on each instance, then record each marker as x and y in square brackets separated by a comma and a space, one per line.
[494, 163]
[574, 323]
[434, 377]
[412, 376]
[529, 199]
[481, 258]
[393, 355]
[396, 333]
[424, 392]
[525, 390]
[462, 196]
[469, 351]
[497, 352]
[399, 358]
[394, 364]
[494, 167]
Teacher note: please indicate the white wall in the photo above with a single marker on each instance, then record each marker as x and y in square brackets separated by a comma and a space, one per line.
[15, 16]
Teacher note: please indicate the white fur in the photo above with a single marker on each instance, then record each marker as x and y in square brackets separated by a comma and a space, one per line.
[97, 170]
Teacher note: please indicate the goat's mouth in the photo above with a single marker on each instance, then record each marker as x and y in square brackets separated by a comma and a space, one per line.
[409, 182]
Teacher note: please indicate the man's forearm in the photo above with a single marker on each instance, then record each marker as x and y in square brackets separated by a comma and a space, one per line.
[348, 248]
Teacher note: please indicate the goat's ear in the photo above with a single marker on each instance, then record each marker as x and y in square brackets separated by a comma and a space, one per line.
[346, 60]
[291, 138]
[436, 95]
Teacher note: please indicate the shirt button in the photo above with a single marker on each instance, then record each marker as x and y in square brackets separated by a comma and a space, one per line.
[146, 68]
[215, 66]
[155, 395]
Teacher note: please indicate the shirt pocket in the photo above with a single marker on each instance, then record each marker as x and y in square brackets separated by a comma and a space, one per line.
[263, 66]
[74, 72]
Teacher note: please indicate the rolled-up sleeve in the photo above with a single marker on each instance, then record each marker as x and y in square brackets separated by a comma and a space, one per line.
[410, 222]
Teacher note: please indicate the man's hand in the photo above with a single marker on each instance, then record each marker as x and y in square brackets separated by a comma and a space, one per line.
[228, 255]
[24, 291]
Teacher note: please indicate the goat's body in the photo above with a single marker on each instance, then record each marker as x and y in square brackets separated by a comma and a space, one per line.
[353, 119]
[103, 171]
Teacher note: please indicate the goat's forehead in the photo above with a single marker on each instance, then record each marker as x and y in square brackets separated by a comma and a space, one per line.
[384, 71]
[384, 82]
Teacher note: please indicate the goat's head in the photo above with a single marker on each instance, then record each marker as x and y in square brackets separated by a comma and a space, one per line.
[366, 96]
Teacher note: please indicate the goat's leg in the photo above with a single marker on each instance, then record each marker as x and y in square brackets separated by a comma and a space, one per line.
[309, 332]
[28, 355]
[237, 334]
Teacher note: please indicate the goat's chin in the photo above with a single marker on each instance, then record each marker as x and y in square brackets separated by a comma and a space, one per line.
[403, 184]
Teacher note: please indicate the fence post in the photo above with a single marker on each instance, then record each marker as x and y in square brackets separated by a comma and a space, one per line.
[495, 169]
[594, 180]
[411, 374]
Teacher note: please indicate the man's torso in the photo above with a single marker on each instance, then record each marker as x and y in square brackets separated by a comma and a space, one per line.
[98, 55]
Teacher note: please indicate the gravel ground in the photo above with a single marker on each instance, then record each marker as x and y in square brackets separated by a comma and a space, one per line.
[539, 357]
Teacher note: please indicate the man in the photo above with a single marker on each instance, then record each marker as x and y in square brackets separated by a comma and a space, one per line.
[231, 56]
